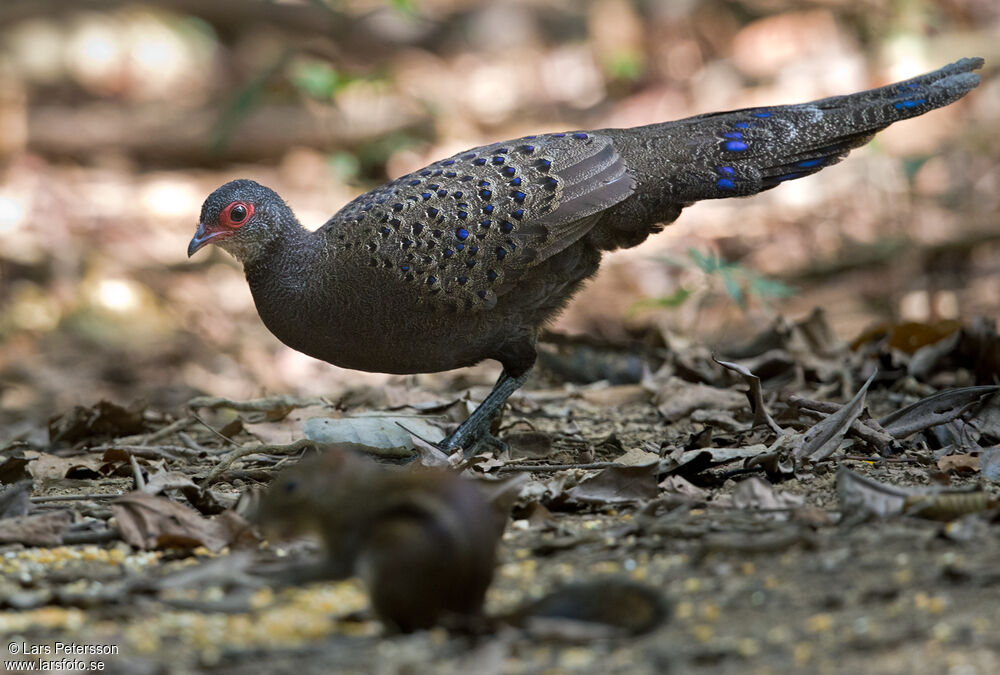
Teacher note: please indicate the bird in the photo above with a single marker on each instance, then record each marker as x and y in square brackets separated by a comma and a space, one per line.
[469, 257]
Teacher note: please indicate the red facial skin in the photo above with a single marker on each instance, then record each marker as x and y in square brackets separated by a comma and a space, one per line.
[232, 218]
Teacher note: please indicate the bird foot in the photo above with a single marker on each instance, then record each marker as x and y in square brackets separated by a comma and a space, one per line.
[472, 440]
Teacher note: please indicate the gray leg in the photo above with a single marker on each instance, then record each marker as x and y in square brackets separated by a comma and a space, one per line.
[475, 431]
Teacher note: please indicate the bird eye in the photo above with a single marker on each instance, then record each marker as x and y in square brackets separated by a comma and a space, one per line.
[236, 214]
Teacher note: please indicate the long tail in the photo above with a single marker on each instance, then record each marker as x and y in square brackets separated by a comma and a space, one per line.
[743, 152]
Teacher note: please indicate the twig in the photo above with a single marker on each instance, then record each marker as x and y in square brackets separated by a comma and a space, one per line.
[140, 482]
[215, 431]
[145, 439]
[193, 444]
[91, 537]
[256, 405]
[255, 449]
[858, 429]
[148, 451]
[559, 467]
[75, 498]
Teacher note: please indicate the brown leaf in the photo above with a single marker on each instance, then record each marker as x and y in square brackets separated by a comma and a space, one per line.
[616, 396]
[823, 438]
[15, 500]
[679, 398]
[42, 529]
[149, 522]
[959, 463]
[617, 485]
[931, 411]
[861, 496]
[51, 467]
[103, 419]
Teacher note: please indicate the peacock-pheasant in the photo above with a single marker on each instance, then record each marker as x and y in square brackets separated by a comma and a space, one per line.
[466, 259]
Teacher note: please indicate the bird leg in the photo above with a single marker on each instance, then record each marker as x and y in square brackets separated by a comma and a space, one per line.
[475, 431]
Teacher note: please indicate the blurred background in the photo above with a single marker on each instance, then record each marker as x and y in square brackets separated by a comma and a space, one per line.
[118, 118]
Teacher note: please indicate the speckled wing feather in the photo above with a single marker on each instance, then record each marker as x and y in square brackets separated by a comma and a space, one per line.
[469, 226]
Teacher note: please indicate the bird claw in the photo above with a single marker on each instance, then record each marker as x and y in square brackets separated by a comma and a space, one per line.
[472, 440]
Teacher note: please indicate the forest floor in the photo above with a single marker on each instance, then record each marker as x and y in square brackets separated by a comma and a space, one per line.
[832, 526]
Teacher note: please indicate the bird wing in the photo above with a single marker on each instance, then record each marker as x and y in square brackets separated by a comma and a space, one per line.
[466, 228]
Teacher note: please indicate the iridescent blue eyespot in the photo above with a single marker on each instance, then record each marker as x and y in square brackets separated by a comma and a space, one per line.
[509, 171]
[735, 146]
[810, 163]
[733, 134]
[485, 194]
[498, 160]
[484, 183]
[491, 275]
[397, 206]
[417, 228]
[724, 183]
[479, 162]
[473, 250]
[385, 230]
[432, 212]
[728, 170]
[450, 174]
[580, 135]
[501, 253]
[557, 135]
[527, 149]
[518, 214]
[442, 193]
[426, 196]
[488, 209]
[516, 181]
[457, 194]
[415, 181]
[518, 196]
[462, 214]
[742, 125]
[461, 279]
[761, 114]
[544, 164]
[484, 223]
[448, 162]
[425, 172]
[506, 227]
[431, 281]
[462, 233]
[448, 253]
[405, 268]
[460, 247]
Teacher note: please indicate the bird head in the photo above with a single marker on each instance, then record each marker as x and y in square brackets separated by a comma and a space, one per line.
[242, 217]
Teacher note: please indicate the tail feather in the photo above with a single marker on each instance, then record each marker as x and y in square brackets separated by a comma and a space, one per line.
[743, 152]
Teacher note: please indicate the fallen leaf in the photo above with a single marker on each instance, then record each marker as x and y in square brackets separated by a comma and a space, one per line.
[823, 438]
[15, 500]
[959, 463]
[40, 529]
[679, 398]
[386, 433]
[148, 522]
[102, 419]
[617, 485]
[861, 497]
[933, 410]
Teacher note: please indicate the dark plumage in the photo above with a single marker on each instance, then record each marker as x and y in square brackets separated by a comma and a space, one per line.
[465, 259]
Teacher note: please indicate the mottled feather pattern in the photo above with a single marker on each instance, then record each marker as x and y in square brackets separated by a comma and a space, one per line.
[467, 258]
[468, 226]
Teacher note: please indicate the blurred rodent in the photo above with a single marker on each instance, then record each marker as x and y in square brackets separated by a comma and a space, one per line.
[424, 541]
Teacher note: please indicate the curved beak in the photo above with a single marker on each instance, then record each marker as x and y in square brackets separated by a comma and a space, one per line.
[202, 237]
